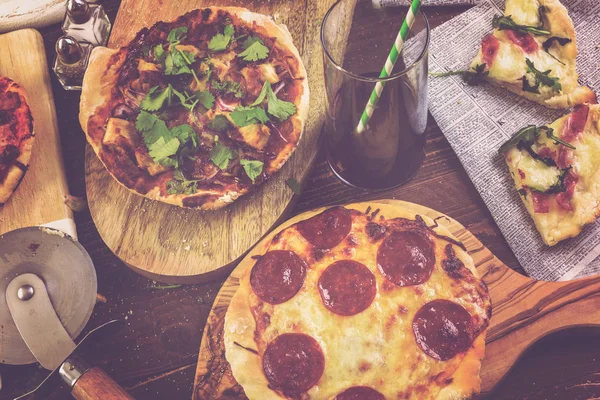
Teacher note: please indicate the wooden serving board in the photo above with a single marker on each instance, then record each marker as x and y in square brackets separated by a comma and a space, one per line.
[40, 198]
[524, 310]
[173, 244]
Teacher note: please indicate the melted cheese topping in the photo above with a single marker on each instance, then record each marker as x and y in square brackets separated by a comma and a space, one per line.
[532, 173]
[559, 224]
[523, 12]
[371, 347]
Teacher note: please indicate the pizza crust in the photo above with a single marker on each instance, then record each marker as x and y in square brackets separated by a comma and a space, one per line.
[99, 82]
[240, 325]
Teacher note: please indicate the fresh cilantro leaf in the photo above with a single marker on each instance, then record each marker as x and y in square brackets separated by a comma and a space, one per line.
[176, 35]
[253, 168]
[206, 99]
[228, 30]
[177, 62]
[279, 108]
[185, 133]
[227, 87]
[145, 121]
[161, 150]
[220, 41]
[256, 51]
[156, 97]
[158, 130]
[220, 155]
[261, 95]
[180, 185]
[250, 41]
[294, 185]
[159, 53]
[244, 116]
[219, 123]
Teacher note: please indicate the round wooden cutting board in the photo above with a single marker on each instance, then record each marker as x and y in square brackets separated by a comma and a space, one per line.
[524, 310]
[178, 245]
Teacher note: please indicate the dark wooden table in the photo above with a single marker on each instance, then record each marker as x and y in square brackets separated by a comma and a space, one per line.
[154, 355]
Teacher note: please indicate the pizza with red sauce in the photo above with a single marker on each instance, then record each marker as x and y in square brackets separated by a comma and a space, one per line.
[199, 111]
[352, 304]
[16, 137]
[532, 53]
[556, 170]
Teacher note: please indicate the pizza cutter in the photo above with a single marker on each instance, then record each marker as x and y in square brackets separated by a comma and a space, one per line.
[47, 294]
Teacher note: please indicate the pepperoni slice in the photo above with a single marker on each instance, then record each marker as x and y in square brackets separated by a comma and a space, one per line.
[575, 123]
[540, 202]
[565, 157]
[489, 48]
[327, 229]
[347, 287]
[523, 40]
[406, 258]
[293, 363]
[360, 393]
[564, 201]
[443, 329]
[277, 276]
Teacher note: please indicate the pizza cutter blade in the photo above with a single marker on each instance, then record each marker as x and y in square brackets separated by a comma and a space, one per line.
[49, 262]
[47, 294]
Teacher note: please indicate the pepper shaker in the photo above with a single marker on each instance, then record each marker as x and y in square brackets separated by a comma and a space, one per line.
[71, 62]
[86, 22]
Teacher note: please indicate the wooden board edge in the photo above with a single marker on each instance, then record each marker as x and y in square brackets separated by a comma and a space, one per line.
[211, 345]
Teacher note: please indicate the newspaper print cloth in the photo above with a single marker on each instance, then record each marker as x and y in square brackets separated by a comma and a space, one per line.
[477, 120]
[390, 3]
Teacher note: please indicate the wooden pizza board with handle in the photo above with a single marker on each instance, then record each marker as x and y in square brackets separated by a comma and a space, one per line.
[40, 197]
[178, 245]
[523, 310]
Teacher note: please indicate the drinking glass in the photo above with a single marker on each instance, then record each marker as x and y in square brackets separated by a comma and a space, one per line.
[356, 37]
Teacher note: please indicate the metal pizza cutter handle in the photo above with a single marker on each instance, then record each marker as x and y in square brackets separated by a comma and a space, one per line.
[47, 339]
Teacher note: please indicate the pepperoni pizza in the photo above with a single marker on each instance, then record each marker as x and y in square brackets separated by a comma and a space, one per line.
[351, 305]
[16, 137]
[532, 53]
[556, 170]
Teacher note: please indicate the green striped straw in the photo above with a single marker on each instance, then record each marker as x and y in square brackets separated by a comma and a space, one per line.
[389, 65]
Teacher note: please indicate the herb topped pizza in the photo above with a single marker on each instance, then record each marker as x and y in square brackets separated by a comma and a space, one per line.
[198, 111]
[358, 304]
[556, 170]
[532, 53]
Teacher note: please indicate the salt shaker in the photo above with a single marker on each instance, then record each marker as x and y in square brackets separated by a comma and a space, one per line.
[86, 22]
[71, 62]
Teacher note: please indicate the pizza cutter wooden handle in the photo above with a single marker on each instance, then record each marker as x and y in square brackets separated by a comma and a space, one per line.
[90, 383]
[95, 384]
[525, 310]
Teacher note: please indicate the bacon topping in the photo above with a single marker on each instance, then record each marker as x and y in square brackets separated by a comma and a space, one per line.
[523, 40]
[489, 49]
[575, 123]
[540, 202]
[565, 157]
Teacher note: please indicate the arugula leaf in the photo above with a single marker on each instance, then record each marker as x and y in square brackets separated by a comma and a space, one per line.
[550, 135]
[256, 51]
[561, 41]
[527, 86]
[180, 185]
[220, 154]
[543, 77]
[473, 77]
[523, 192]
[253, 168]
[161, 150]
[278, 108]
[177, 35]
[507, 22]
[294, 185]
[244, 116]
[227, 87]
[220, 41]
[220, 123]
